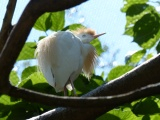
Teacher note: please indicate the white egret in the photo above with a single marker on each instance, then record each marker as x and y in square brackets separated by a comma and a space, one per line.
[63, 55]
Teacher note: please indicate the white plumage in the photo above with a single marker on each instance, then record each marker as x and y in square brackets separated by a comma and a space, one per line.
[62, 56]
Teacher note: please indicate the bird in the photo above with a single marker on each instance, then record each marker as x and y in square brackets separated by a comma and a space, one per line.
[63, 55]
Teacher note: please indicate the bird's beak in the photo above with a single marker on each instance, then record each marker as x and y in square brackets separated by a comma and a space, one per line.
[95, 36]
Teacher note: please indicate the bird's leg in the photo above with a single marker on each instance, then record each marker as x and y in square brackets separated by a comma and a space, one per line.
[74, 90]
[65, 91]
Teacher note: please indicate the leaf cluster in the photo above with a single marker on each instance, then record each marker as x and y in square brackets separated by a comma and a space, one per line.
[143, 24]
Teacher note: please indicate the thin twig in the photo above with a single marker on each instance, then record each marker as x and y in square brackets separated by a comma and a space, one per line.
[6, 26]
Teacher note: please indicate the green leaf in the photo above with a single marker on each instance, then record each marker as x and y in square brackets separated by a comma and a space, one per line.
[158, 47]
[4, 99]
[123, 115]
[136, 9]
[4, 111]
[35, 78]
[146, 106]
[136, 57]
[142, 23]
[83, 85]
[146, 30]
[5, 106]
[19, 110]
[129, 3]
[149, 56]
[118, 114]
[97, 44]
[28, 71]
[37, 82]
[73, 27]
[41, 37]
[58, 20]
[22, 111]
[54, 21]
[13, 77]
[27, 51]
[155, 117]
[44, 22]
[118, 71]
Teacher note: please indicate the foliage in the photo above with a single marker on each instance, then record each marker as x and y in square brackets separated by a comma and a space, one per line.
[27, 51]
[142, 24]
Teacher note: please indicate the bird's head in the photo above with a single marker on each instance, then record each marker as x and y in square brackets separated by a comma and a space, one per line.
[86, 35]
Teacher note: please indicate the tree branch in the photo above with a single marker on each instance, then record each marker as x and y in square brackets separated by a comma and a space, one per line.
[85, 102]
[145, 74]
[92, 113]
[6, 26]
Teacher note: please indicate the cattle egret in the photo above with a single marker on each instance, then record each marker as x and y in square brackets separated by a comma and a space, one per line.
[63, 55]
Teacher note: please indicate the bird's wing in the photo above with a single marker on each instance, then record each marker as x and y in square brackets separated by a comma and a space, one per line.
[43, 57]
[63, 58]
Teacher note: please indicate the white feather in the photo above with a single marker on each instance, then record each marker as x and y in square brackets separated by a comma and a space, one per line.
[59, 58]
[62, 55]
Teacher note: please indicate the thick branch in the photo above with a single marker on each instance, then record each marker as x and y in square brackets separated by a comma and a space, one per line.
[20, 32]
[6, 26]
[145, 74]
[87, 102]
[90, 113]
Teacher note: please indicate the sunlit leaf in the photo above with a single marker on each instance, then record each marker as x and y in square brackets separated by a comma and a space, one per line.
[27, 51]
[44, 22]
[123, 115]
[118, 114]
[13, 77]
[72, 27]
[136, 57]
[149, 56]
[4, 99]
[28, 71]
[97, 44]
[118, 71]
[54, 21]
[41, 37]
[155, 117]
[37, 82]
[58, 20]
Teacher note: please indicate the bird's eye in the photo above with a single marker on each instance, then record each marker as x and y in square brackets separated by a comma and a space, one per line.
[84, 35]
